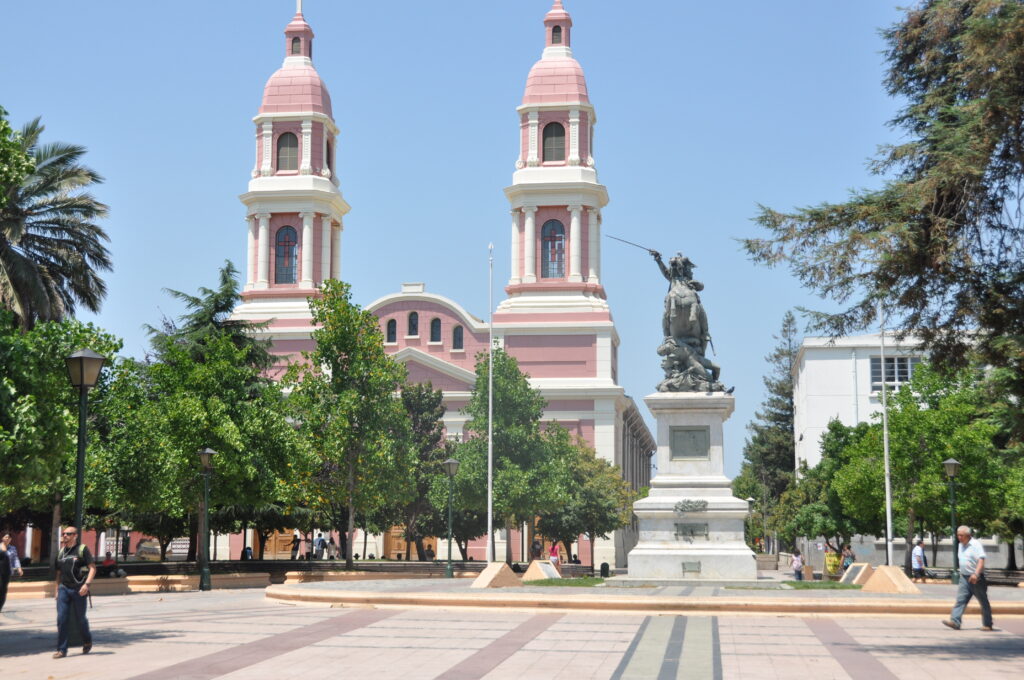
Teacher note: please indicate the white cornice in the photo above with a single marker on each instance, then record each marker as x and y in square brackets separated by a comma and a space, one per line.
[298, 116]
[408, 354]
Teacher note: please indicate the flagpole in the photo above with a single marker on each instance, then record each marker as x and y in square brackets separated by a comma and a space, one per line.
[490, 403]
[885, 443]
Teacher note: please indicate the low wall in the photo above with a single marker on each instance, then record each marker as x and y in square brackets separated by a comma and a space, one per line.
[158, 583]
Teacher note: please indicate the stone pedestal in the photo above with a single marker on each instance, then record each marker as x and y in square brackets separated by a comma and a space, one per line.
[691, 526]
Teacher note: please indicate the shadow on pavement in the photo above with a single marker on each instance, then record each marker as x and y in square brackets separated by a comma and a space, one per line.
[27, 642]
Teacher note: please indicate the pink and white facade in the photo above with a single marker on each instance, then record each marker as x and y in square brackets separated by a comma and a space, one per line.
[555, 320]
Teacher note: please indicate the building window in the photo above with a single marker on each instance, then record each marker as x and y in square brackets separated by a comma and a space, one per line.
[554, 142]
[330, 159]
[435, 330]
[286, 255]
[552, 254]
[296, 46]
[556, 35]
[414, 324]
[457, 338]
[288, 152]
[392, 331]
[898, 371]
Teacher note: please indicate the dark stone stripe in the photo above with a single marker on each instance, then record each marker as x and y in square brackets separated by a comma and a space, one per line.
[628, 656]
[251, 653]
[716, 650]
[674, 651]
[855, 660]
[490, 657]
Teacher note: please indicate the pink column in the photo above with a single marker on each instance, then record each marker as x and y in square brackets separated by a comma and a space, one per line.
[325, 248]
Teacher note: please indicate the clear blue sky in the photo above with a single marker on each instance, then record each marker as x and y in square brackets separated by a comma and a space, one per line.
[704, 111]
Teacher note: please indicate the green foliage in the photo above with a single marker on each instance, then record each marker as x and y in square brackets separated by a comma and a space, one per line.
[581, 582]
[15, 163]
[344, 398]
[39, 409]
[941, 244]
[51, 248]
[425, 408]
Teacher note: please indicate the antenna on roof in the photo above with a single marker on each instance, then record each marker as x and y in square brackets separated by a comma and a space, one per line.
[298, 6]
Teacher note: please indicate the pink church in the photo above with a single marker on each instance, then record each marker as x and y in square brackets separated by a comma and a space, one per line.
[555, 319]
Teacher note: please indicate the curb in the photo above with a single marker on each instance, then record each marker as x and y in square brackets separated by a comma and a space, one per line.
[620, 603]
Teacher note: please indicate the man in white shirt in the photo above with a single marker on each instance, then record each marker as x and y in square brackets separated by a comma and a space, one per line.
[917, 561]
[972, 580]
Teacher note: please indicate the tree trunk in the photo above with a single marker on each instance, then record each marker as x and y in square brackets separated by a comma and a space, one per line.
[365, 537]
[262, 538]
[193, 538]
[935, 548]
[508, 542]
[351, 512]
[1011, 560]
[592, 553]
[164, 543]
[463, 548]
[55, 535]
[419, 549]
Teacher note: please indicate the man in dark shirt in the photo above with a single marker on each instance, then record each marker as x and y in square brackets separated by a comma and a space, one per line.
[76, 569]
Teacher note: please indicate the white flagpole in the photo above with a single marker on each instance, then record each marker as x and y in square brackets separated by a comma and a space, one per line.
[490, 402]
[885, 443]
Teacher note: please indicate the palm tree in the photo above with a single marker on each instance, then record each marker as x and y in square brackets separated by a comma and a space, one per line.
[50, 245]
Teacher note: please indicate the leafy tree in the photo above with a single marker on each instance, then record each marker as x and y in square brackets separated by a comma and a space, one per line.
[425, 408]
[596, 499]
[525, 478]
[931, 419]
[940, 246]
[769, 454]
[344, 397]
[51, 248]
[15, 163]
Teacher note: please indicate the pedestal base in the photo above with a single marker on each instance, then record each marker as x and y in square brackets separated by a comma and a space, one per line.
[691, 526]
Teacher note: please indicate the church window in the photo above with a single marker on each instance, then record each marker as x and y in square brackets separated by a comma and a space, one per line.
[330, 157]
[296, 46]
[556, 35]
[552, 265]
[435, 330]
[286, 256]
[414, 325]
[288, 152]
[554, 142]
[392, 331]
[457, 337]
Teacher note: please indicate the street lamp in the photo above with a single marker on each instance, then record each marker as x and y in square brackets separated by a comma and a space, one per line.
[83, 370]
[450, 466]
[205, 461]
[952, 470]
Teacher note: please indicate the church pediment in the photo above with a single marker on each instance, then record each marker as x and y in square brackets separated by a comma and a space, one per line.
[423, 367]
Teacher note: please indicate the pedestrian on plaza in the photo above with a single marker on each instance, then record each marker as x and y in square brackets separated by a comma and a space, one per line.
[9, 564]
[797, 563]
[972, 580]
[535, 549]
[917, 561]
[553, 556]
[848, 556]
[429, 553]
[332, 549]
[319, 545]
[76, 570]
[296, 542]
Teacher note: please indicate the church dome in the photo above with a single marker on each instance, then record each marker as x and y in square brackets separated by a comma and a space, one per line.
[296, 88]
[556, 80]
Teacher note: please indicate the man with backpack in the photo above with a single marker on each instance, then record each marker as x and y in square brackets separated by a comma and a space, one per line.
[76, 569]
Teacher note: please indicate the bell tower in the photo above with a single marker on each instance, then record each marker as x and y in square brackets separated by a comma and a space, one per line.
[555, 197]
[294, 207]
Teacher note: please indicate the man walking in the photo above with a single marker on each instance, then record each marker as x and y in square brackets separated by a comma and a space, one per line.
[917, 561]
[972, 580]
[76, 569]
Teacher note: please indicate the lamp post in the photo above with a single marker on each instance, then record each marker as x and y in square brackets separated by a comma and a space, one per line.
[952, 470]
[205, 461]
[84, 368]
[451, 466]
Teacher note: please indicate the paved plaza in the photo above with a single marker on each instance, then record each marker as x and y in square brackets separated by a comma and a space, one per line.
[243, 635]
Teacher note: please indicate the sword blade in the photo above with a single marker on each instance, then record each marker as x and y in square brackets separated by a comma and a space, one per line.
[637, 245]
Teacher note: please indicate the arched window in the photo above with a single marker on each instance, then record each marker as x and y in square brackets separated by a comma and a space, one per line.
[552, 250]
[435, 330]
[414, 324]
[296, 45]
[457, 337]
[556, 35]
[392, 331]
[288, 152]
[286, 255]
[330, 157]
[554, 142]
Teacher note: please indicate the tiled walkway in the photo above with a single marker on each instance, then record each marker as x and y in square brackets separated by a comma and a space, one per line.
[240, 636]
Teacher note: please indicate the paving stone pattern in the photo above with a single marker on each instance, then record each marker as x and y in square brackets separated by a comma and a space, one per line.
[239, 635]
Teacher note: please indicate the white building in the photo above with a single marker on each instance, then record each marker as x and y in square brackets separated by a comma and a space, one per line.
[841, 378]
